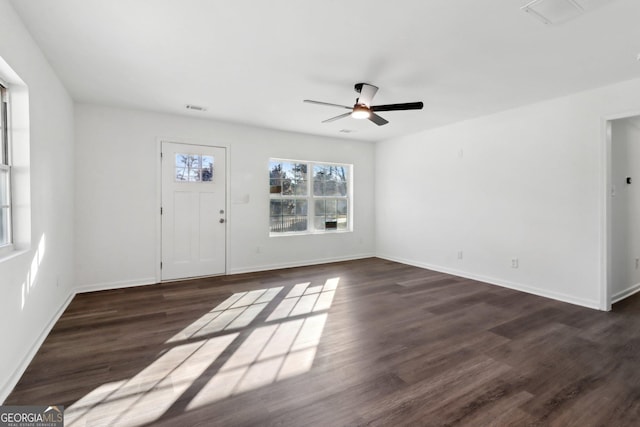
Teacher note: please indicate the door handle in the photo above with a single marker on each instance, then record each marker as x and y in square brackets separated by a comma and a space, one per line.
[221, 220]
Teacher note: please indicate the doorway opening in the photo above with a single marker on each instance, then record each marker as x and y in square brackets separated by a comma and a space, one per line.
[622, 207]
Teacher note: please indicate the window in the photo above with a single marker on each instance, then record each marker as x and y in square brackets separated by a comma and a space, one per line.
[5, 171]
[309, 197]
[194, 168]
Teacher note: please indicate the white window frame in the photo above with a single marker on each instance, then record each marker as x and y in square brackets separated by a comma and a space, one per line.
[5, 163]
[310, 198]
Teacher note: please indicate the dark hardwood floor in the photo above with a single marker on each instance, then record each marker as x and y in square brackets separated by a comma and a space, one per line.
[367, 342]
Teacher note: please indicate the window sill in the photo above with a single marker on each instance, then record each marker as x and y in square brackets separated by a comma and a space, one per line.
[309, 233]
[9, 252]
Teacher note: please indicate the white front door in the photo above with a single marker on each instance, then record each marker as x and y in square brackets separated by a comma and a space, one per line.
[193, 211]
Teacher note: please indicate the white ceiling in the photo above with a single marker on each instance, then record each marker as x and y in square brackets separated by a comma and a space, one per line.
[254, 61]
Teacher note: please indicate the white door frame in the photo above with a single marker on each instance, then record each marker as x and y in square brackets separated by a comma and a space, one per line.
[190, 141]
[606, 207]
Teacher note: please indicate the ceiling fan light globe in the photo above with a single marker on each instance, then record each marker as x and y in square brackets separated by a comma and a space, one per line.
[360, 112]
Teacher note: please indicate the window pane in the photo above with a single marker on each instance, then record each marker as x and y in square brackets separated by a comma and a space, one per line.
[299, 187]
[296, 171]
[288, 215]
[287, 187]
[287, 178]
[329, 180]
[330, 208]
[4, 187]
[207, 168]
[188, 167]
[318, 222]
[4, 142]
[181, 160]
[276, 208]
[4, 207]
[194, 175]
[331, 214]
[342, 214]
[341, 206]
[301, 207]
[275, 186]
[342, 222]
[4, 226]
[275, 173]
[275, 177]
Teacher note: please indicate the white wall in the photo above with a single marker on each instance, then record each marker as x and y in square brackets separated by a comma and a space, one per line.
[527, 183]
[117, 194]
[625, 207]
[37, 283]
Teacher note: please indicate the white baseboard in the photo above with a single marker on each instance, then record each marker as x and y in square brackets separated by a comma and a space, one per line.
[152, 280]
[10, 384]
[116, 285]
[499, 282]
[619, 296]
[278, 266]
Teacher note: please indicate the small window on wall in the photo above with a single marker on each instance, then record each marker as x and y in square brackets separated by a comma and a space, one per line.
[194, 168]
[309, 197]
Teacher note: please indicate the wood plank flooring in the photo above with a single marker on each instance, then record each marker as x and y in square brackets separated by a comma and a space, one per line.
[367, 342]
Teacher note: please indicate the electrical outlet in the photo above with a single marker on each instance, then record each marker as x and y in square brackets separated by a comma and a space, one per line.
[459, 254]
[514, 262]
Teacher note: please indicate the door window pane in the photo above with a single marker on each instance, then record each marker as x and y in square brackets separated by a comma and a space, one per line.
[194, 168]
[207, 168]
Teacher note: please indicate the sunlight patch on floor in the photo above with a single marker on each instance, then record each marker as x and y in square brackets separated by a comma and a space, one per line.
[282, 346]
[236, 312]
[271, 353]
[146, 396]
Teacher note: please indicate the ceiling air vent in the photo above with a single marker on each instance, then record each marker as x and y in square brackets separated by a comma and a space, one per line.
[195, 107]
[553, 12]
[347, 130]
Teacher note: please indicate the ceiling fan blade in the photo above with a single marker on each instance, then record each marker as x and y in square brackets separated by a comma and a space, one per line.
[333, 119]
[398, 107]
[377, 119]
[366, 94]
[326, 103]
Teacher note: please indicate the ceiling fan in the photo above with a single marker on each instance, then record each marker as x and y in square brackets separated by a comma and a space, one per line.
[363, 109]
